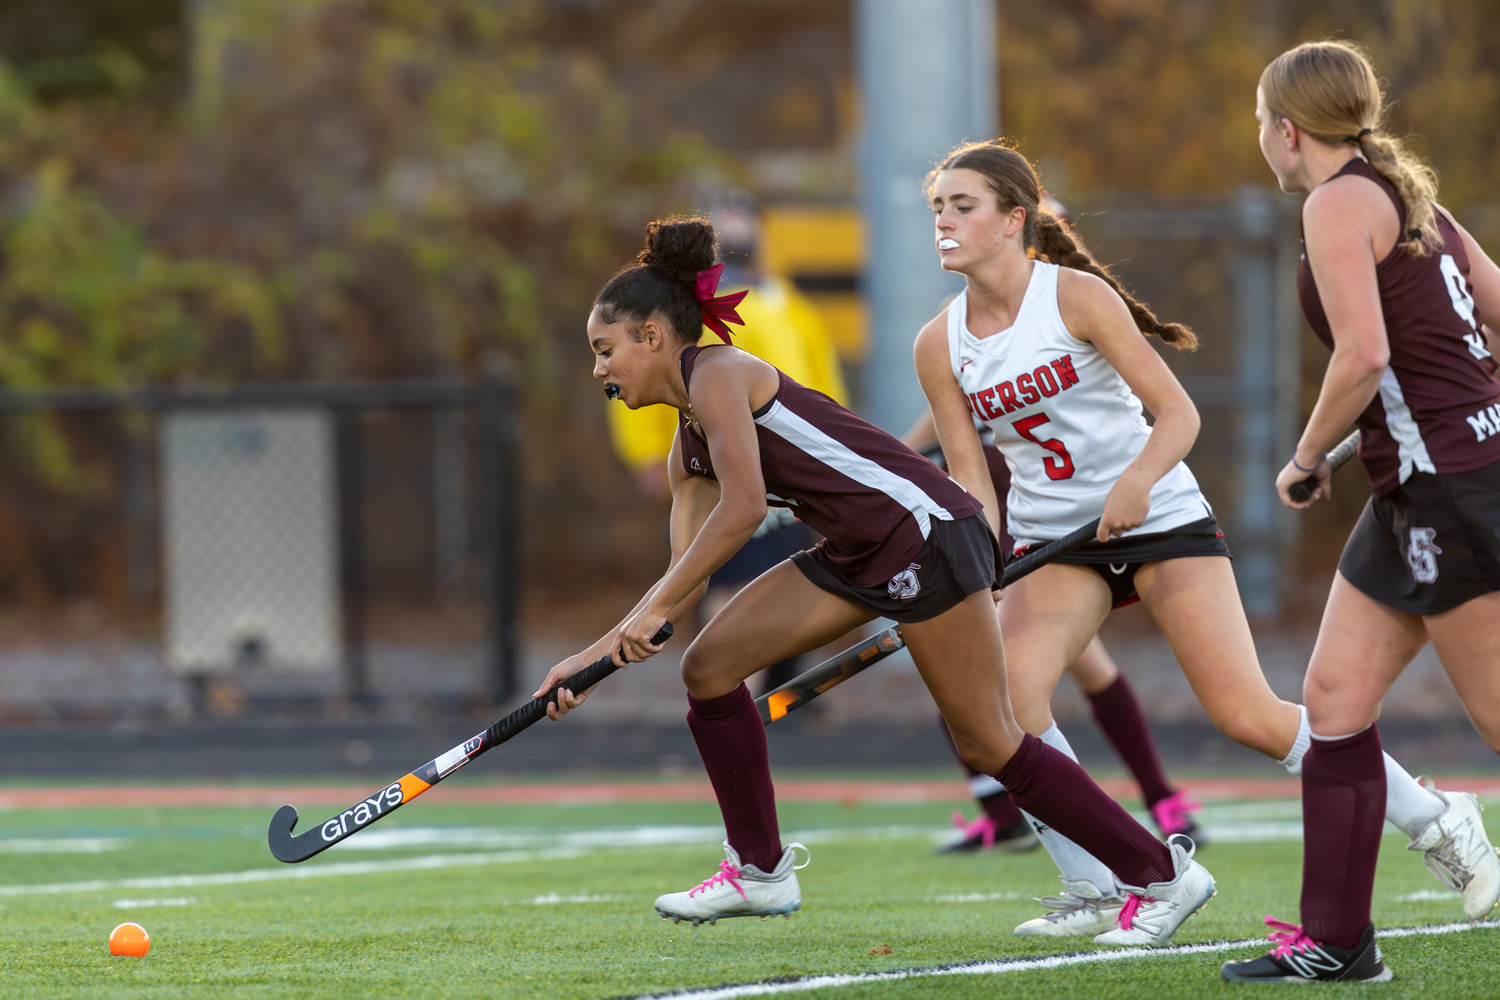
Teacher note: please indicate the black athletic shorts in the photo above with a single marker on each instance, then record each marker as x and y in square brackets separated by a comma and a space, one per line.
[958, 558]
[1429, 545]
[1118, 559]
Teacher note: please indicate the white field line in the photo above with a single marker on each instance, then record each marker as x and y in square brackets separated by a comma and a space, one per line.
[990, 968]
[430, 862]
[143, 904]
[60, 845]
[625, 837]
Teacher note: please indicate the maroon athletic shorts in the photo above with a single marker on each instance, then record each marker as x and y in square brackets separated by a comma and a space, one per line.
[958, 558]
[1430, 544]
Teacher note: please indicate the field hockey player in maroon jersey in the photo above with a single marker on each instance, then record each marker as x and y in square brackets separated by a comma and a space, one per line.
[1399, 291]
[900, 539]
[1046, 349]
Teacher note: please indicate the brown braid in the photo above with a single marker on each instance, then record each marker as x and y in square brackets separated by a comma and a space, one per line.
[1047, 234]
[1015, 184]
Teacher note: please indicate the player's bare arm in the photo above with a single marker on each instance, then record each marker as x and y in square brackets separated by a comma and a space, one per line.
[728, 386]
[1094, 313]
[1349, 226]
[952, 420]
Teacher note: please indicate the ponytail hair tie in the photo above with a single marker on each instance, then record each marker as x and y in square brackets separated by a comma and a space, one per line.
[1415, 234]
[1158, 329]
[1362, 133]
[717, 309]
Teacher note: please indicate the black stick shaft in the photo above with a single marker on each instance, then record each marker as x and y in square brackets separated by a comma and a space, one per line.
[832, 672]
[1338, 456]
[292, 849]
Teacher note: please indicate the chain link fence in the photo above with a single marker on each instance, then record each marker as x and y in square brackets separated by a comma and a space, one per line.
[272, 548]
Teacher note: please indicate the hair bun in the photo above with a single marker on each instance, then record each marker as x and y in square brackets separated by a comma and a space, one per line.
[678, 248]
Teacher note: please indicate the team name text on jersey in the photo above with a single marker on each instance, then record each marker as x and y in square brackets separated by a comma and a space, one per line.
[1032, 387]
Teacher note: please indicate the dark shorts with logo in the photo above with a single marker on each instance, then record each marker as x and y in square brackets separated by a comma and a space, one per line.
[958, 558]
[1118, 559]
[1429, 545]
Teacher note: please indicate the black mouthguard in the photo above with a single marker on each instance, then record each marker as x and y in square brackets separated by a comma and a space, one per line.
[612, 391]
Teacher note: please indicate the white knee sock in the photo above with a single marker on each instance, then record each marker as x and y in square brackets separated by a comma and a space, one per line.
[1293, 761]
[982, 786]
[1073, 862]
[1408, 806]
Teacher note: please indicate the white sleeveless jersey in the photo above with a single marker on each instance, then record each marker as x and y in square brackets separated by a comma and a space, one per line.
[1065, 420]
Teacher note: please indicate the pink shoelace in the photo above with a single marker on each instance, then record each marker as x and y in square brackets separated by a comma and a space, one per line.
[1172, 813]
[1126, 919]
[982, 825]
[1287, 937]
[727, 873]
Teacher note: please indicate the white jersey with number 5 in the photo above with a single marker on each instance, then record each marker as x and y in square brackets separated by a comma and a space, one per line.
[1065, 420]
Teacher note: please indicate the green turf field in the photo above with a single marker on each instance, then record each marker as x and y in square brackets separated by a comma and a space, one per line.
[458, 901]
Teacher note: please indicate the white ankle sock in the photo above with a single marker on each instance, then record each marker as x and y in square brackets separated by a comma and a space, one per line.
[1293, 761]
[1073, 862]
[1408, 805]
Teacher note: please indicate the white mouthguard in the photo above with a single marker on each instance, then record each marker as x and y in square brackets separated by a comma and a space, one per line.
[947, 244]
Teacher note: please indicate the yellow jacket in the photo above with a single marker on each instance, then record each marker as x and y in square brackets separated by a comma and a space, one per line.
[781, 328]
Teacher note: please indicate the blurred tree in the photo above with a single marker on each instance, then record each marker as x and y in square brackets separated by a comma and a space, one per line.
[1159, 95]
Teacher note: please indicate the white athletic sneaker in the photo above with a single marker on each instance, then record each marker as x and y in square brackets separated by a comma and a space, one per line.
[1457, 851]
[1081, 911]
[1152, 915]
[739, 890]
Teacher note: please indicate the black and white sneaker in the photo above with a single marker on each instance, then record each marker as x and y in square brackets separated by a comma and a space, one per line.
[983, 834]
[1297, 958]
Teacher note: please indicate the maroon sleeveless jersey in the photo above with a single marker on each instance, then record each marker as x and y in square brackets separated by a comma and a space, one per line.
[1438, 408]
[871, 498]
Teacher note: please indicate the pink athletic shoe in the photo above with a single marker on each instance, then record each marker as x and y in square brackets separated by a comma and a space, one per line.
[1171, 815]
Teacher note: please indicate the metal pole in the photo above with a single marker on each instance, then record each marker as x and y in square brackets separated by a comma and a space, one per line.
[350, 462]
[927, 74]
[501, 462]
[1257, 556]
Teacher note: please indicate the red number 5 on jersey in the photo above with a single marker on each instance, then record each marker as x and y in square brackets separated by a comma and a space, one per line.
[1055, 469]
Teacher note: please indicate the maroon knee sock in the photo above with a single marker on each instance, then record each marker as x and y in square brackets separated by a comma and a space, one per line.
[1343, 810]
[1119, 714]
[999, 807]
[1058, 792]
[732, 742]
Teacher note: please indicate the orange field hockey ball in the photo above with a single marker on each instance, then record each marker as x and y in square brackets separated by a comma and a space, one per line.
[129, 939]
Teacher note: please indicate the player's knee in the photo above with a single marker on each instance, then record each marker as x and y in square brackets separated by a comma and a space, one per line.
[696, 667]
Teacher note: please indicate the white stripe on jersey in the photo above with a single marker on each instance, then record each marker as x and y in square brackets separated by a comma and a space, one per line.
[1410, 447]
[840, 457]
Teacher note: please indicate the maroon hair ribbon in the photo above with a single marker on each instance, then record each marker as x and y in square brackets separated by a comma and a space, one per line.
[717, 309]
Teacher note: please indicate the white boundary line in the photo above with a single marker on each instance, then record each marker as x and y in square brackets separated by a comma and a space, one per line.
[989, 968]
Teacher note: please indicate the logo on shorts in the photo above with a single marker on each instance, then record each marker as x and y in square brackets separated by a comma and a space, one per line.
[1421, 555]
[905, 583]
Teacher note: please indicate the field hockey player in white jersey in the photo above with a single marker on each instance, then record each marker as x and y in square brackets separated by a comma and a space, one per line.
[1047, 349]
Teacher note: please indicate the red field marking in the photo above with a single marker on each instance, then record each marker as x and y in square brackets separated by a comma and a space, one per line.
[598, 793]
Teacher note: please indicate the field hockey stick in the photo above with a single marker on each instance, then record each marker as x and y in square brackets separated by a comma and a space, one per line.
[831, 673]
[398, 793]
[1345, 450]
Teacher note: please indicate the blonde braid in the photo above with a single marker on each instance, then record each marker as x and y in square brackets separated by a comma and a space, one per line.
[1414, 181]
[1053, 240]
